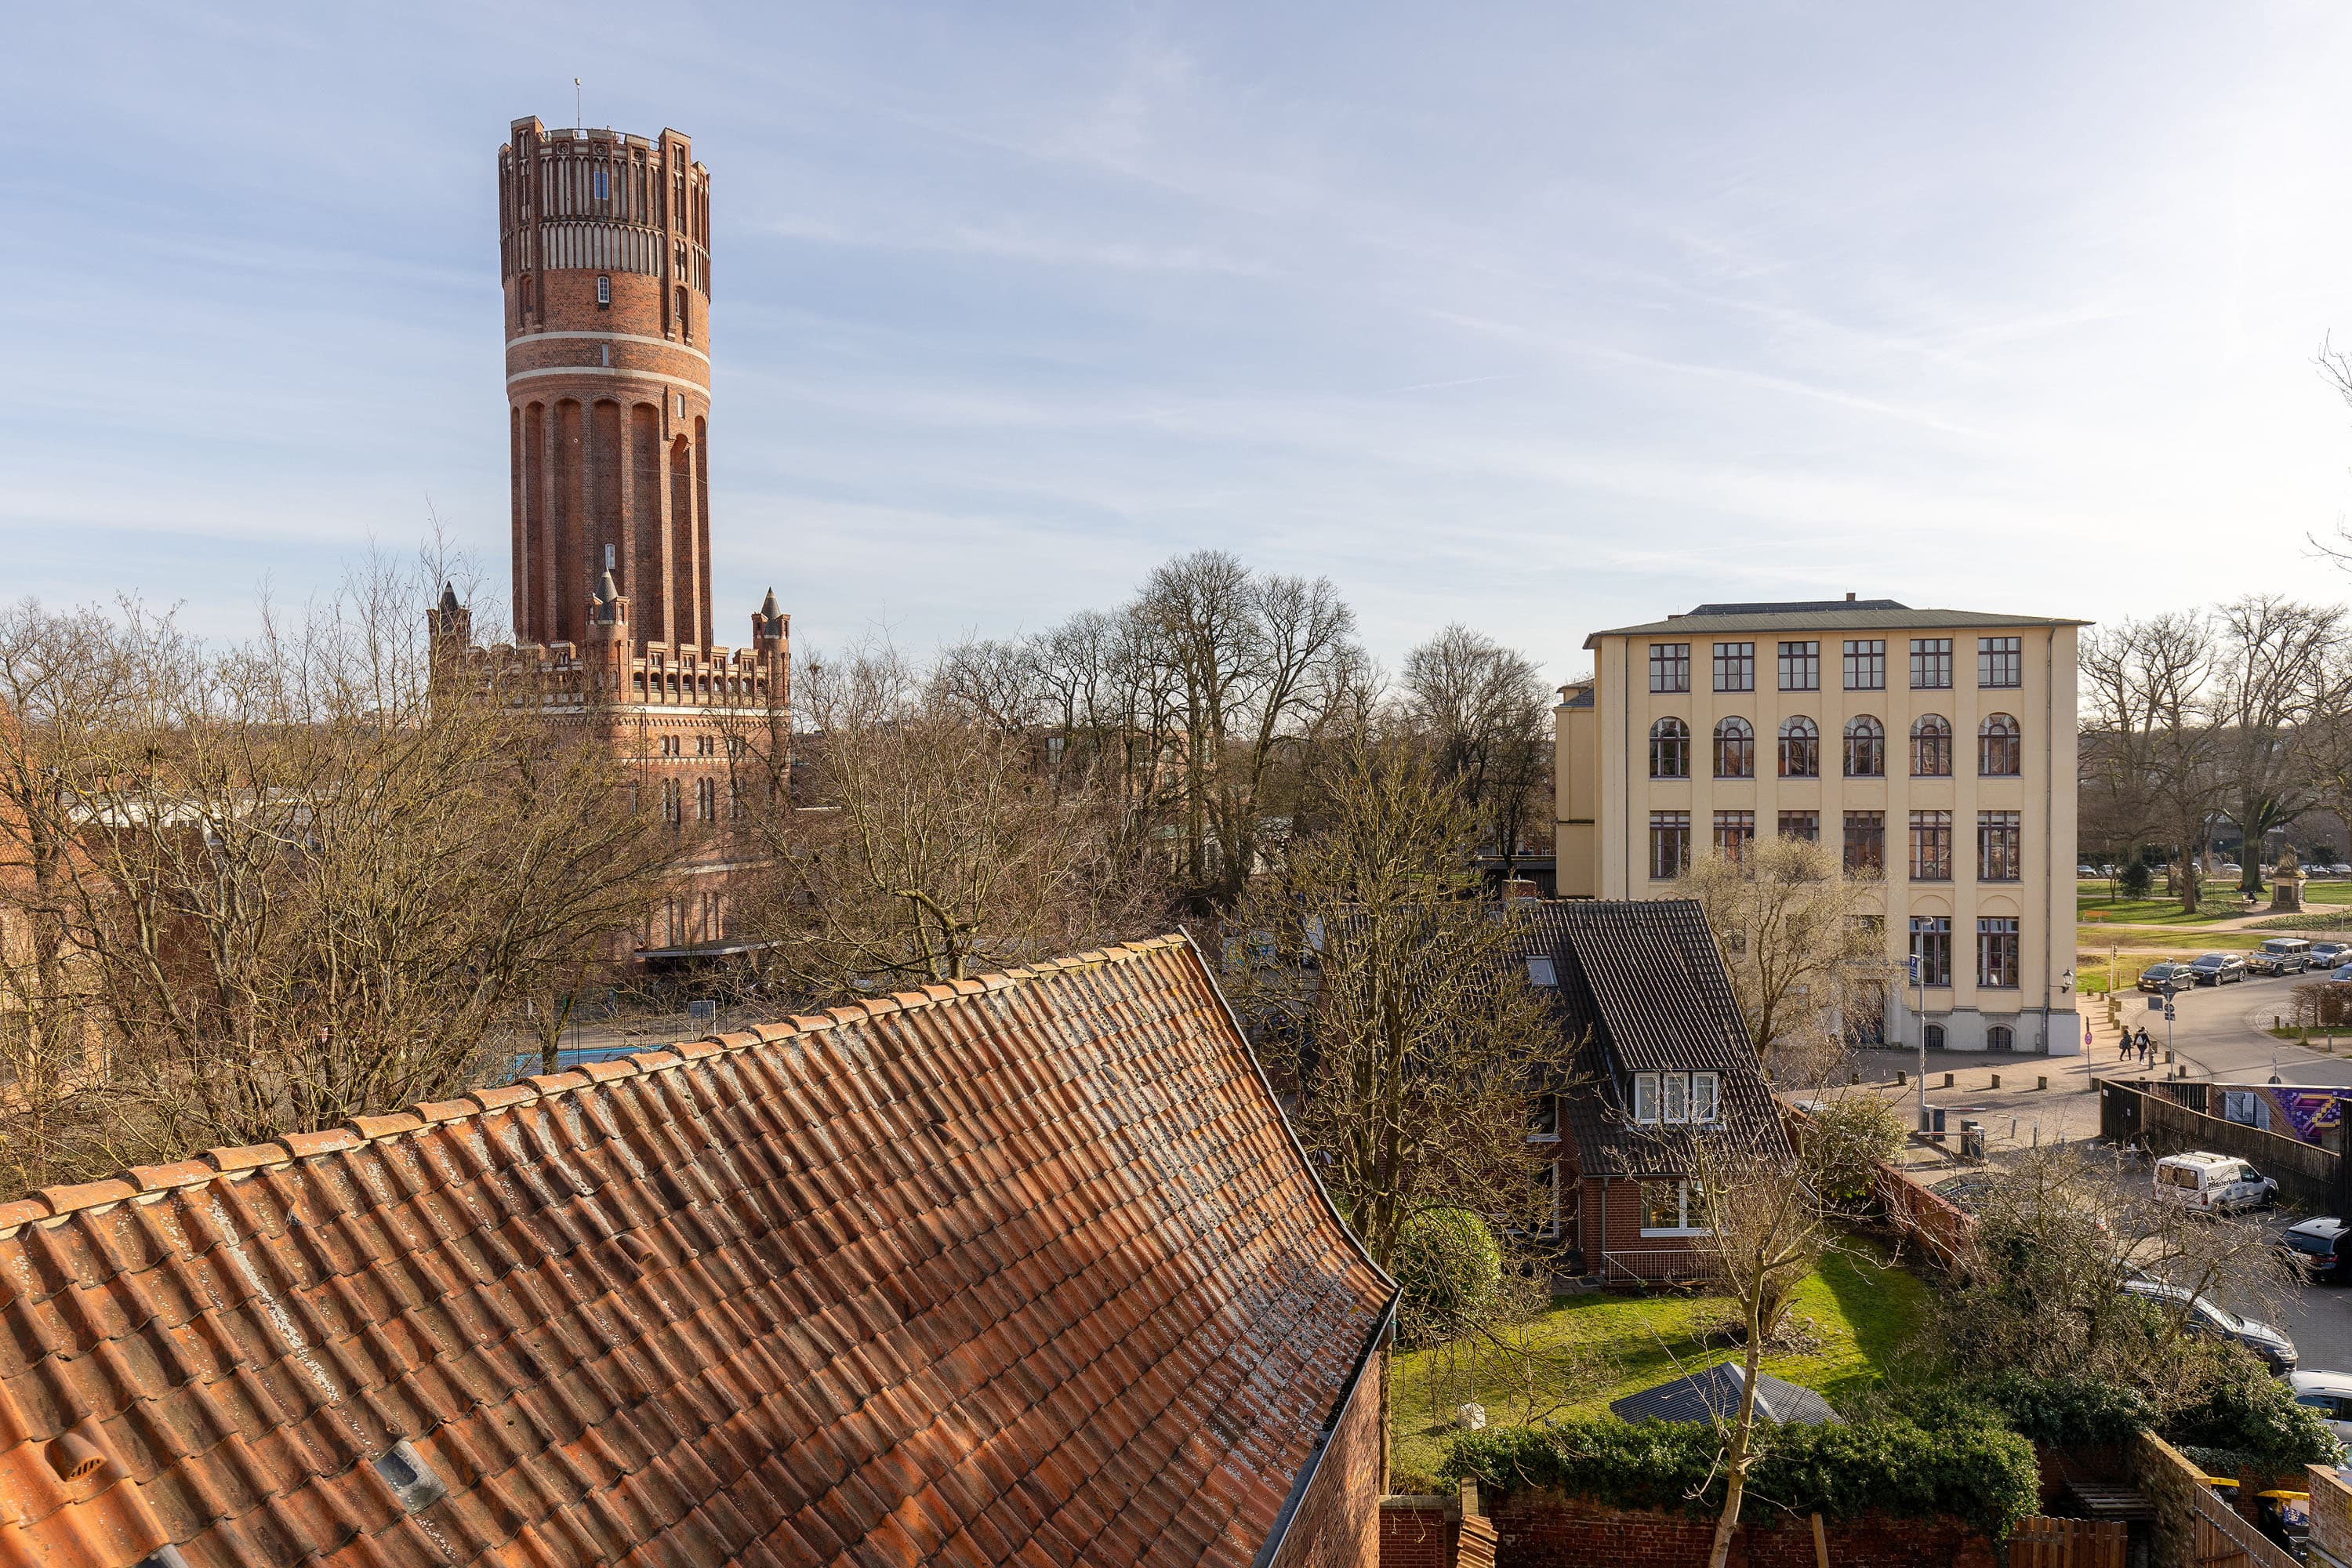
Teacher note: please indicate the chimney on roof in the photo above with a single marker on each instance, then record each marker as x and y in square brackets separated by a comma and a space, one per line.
[1849, 595]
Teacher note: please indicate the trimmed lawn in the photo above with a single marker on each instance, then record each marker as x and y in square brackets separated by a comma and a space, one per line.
[2094, 907]
[2092, 941]
[1589, 1350]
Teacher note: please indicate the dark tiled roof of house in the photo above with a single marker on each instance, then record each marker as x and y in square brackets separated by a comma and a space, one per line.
[1641, 988]
[1018, 1271]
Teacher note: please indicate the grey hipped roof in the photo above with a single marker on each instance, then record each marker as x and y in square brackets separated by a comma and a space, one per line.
[1822, 615]
[1715, 1393]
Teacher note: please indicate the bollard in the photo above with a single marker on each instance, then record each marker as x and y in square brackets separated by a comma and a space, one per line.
[1948, 1080]
[1996, 1080]
[2167, 1058]
[2041, 1083]
[1901, 1078]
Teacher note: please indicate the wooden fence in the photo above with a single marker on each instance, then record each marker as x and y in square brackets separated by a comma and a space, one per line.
[2043, 1542]
[2306, 1174]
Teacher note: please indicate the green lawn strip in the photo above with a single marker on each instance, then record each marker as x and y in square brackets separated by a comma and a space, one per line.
[2093, 941]
[1590, 1350]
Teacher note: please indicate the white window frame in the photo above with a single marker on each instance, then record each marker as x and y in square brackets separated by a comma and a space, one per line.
[1540, 971]
[1645, 1097]
[1683, 1205]
[1705, 1098]
[1674, 1103]
[605, 289]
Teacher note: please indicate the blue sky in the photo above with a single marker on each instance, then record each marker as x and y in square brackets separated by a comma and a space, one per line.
[1543, 318]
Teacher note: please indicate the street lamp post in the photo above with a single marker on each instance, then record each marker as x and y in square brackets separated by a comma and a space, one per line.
[1919, 1020]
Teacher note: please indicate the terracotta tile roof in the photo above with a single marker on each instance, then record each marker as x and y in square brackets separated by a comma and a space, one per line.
[1023, 1270]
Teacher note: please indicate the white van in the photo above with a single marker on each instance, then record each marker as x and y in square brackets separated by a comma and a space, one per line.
[2281, 956]
[2215, 1183]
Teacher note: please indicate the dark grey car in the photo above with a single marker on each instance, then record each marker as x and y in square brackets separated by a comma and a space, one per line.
[2217, 968]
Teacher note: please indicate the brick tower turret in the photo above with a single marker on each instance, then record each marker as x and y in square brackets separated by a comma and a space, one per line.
[604, 252]
[605, 256]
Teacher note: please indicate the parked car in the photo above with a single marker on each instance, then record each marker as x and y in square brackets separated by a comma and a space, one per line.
[2341, 972]
[2328, 955]
[2165, 977]
[2213, 1184]
[2087, 872]
[2203, 1315]
[2330, 1394]
[2317, 1247]
[2217, 968]
[2280, 955]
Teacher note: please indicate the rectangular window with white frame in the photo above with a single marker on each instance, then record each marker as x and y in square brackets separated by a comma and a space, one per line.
[1673, 1208]
[1645, 1097]
[1676, 1097]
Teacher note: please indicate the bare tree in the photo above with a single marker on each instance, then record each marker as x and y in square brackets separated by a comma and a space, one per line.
[1379, 985]
[1488, 713]
[309, 876]
[1767, 1230]
[1799, 944]
[934, 843]
[2060, 1234]
[2151, 746]
[2272, 682]
[1257, 662]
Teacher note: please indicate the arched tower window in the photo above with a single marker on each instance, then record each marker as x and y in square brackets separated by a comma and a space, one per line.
[1865, 748]
[1670, 750]
[1735, 750]
[1800, 748]
[604, 289]
[1931, 747]
[1999, 747]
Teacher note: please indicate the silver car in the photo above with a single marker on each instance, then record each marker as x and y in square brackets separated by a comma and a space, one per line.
[2330, 1394]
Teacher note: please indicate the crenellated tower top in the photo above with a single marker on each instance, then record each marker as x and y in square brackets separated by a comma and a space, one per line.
[604, 258]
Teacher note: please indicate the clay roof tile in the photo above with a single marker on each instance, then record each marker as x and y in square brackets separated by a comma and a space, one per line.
[735, 1301]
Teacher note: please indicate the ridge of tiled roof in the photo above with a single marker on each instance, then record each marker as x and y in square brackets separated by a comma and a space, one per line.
[1021, 1265]
[1857, 617]
[57, 1201]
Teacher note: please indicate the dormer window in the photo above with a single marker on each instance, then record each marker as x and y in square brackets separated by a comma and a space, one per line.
[1677, 1098]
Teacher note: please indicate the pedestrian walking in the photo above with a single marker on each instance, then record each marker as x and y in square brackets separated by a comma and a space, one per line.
[2130, 1045]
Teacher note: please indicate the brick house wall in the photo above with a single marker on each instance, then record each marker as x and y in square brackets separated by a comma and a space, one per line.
[1547, 1529]
[1620, 1198]
[1338, 1524]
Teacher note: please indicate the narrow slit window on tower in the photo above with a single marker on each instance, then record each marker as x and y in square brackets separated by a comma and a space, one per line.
[603, 288]
[681, 405]
[685, 327]
[604, 183]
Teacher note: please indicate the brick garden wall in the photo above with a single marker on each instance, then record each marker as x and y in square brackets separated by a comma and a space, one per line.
[1546, 1530]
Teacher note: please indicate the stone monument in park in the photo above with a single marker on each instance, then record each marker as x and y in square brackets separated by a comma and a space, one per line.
[2286, 883]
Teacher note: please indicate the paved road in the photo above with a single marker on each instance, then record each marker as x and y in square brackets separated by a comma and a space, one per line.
[2222, 1031]
[2319, 1321]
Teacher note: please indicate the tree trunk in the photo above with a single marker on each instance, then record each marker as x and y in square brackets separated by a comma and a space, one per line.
[1736, 1456]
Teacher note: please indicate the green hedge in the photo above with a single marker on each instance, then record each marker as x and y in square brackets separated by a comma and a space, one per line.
[1971, 1470]
[2066, 1412]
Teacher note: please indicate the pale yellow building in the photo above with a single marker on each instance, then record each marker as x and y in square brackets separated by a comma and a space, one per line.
[1933, 749]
